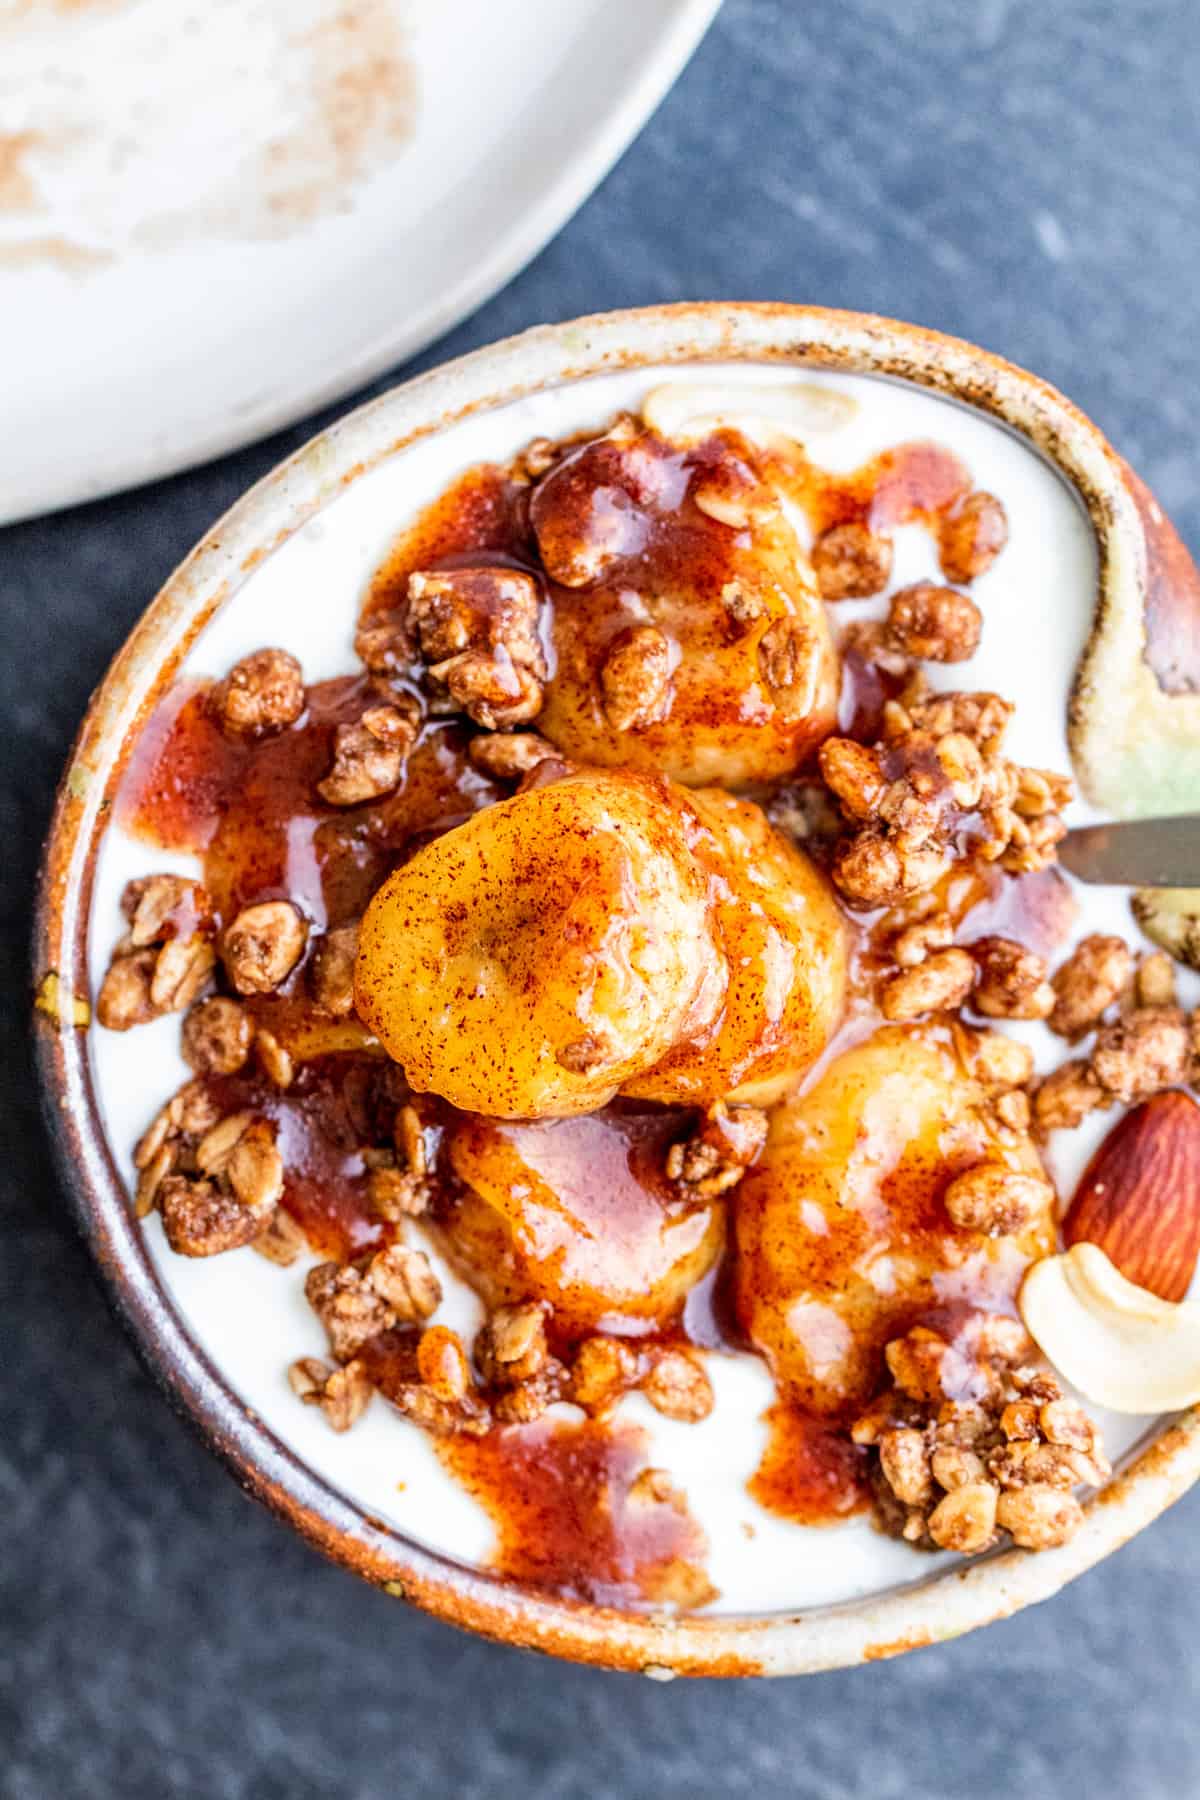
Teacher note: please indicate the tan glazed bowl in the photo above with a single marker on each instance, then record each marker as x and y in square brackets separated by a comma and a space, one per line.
[1143, 662]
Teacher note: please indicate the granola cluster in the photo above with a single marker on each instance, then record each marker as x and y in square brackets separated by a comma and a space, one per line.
[216, 1179]
[476, 631]
[378, 1315]
[165, 959]
[973, 1441]
[716, 1154]
[1144, 1041]
[934, 789]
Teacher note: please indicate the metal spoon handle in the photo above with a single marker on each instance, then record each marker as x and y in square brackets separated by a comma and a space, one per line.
[1136, 852]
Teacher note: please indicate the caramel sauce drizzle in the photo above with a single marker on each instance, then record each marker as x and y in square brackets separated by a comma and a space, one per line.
[572, 1517]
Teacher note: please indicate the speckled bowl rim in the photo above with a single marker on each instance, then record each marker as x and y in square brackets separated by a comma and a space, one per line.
[931, 1610]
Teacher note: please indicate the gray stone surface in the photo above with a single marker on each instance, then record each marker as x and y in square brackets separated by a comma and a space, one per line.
[1021, 173]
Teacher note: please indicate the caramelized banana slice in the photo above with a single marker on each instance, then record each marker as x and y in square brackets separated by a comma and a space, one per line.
[785, 943]
[529, 962]
[579, 1213]
[687, 631]
[843, 1231]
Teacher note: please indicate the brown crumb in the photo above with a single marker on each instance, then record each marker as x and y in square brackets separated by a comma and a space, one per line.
[332, 972]
[508, 755]
[263, 946]
[934, 624]
[368, 755]
[201, 1218]
[1154, 983]
[283, 1242]
[635, 678]
[1066, 1097]
[678, 1387]
[217, 1037]
[350, 1308]
[996, 1201]
[939, 984]
[342, 1394]
[971, 537]
[1038, 1517]
[851, 562]
[718, 1152]
[262, 694]
[397, 1194]
[1012, 980]
[604, 1368]
[1146, 1050]
[1000, 1062]
[1095, 974]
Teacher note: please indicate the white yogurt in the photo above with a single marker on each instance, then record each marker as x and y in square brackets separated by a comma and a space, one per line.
[251, 1317]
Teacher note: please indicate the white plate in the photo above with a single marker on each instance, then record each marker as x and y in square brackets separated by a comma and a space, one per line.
[215, 218]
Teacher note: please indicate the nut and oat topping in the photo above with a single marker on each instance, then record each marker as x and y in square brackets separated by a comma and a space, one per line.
[1013, 981]
[331, 973]
[166, 958]
[971, 537]
[263, 945]
[935, 624]
[1096, 973]
[935, 788]
[718, 1152]
[635, 678]
[970, 1442]
[263, 693]
[368, 756]
[851, 562]
[996, 1201]
[215, 1180]
[941, 983]
[477, 631]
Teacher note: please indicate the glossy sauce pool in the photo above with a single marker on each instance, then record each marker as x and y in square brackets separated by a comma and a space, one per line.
[250, 1316]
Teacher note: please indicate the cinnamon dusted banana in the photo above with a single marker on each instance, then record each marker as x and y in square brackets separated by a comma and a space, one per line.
[579, 1213]
[605, 932]
[532, 960]
[887, 1191]
[687, 631]
[785, 942]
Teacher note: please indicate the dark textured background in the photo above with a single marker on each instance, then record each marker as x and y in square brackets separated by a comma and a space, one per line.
[1020, 172]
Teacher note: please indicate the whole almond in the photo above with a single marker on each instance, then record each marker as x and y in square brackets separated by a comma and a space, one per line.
[1139, 1198]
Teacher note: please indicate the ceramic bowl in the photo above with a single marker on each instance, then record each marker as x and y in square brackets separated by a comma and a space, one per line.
[1137, 684]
